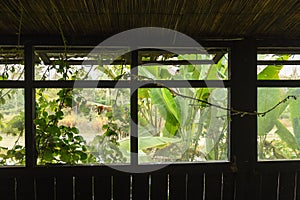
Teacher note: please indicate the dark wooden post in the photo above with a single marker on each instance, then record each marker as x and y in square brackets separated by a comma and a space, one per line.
[243, 129]
[25, 184]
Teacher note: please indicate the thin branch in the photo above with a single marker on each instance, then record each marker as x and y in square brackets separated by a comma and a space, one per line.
[232, 111]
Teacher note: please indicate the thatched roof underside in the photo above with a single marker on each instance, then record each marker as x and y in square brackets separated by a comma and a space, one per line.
[277, 19]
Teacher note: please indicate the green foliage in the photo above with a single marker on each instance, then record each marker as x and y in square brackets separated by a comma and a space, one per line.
[174, 128]
[271, 72]
[13, 156]
[11, 124]
[57, 144]
[163, 99]
[106, 150]
[185, 128]
[15, 126]
[279, 130]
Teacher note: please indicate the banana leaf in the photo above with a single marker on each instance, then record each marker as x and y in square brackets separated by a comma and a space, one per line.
[150, 142]
[267, 98]
[295, 116]
[270, 73]
[163, 99]
[285, 135]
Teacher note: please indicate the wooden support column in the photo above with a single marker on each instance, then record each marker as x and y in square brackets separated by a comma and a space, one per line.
[25, 184]
[243, 129]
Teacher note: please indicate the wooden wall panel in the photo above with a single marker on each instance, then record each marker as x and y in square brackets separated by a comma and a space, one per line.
[7, 188]
[83, 188]
[159, 186]
[102, 187]
[121, 187]
[45, 189]
[140, 187]
[195, 186]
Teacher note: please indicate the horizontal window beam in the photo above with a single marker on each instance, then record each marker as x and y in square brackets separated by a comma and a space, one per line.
[117, 84]
[278, 83]
[278, 62]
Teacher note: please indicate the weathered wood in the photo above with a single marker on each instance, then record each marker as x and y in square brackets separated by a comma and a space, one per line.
[229, 186]
[269, 186]
[195, 186]
[243, 141]
[213, 186]
[64, 187]
[177, 186]
[286, 185]
[102, 187]
[45, 188]
[83, 187]
[140, 187]
[25, 187]
[121, 187]
[159, 186]
[7, 188]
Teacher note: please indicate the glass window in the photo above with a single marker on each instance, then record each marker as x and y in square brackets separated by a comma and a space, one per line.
[278, 66]
[12, 127]
[81, 64]
[173, 128]
[186, 66]
[278, 129]
[11, 63]
[82, 126]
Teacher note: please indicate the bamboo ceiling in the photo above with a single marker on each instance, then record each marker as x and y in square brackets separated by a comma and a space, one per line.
[277, 19]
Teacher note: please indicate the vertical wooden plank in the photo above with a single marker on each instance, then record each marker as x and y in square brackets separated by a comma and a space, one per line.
[45, 188]
[269, 186]
[213, 186]
[159, 186]
[25, 187]
[243, 147]
[257, 179]
[228, 186]
[64, 187]
[29, 106]
[297, 185]
[102, 187]
[195, 186]
[121, 187]
[7, 188]
[140, 187]
[286, 185]
[177, 186]
[83, 188]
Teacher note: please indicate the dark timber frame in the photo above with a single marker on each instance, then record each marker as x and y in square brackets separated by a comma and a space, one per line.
[241, 178]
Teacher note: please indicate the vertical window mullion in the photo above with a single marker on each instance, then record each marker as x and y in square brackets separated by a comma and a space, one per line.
[134, 109]
[29, 106]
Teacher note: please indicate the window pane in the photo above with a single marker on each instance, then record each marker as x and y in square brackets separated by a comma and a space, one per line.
[270, 68]
[11, 64]
[278, 131]
[81, 64]
[189, 66]
[173, 128]
[82, 126]
[12, 142]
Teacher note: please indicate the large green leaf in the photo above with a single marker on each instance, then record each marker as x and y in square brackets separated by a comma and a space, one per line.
[150, 142]
[155, 72]
[269, 73]
[285, 135]
[295, 115]
[267, 98]
[163, 99]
